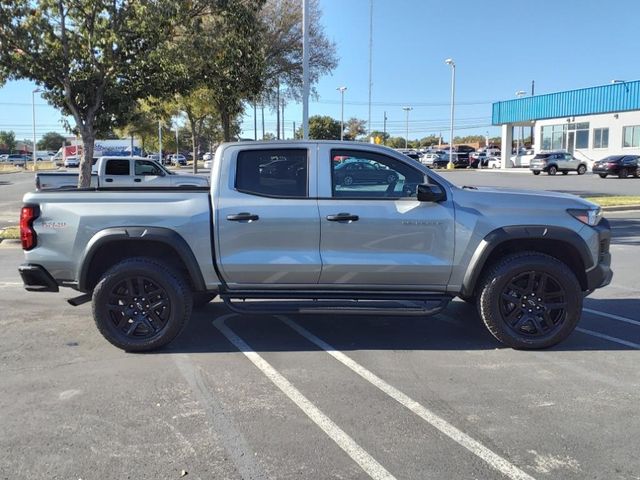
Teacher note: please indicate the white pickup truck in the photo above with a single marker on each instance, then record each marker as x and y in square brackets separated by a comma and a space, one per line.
[118, 172]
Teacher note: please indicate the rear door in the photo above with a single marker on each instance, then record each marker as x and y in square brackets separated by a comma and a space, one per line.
[267, 222]
[378, 234]
[117, 173]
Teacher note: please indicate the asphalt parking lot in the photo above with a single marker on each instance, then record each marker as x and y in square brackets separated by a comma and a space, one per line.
[322, 396]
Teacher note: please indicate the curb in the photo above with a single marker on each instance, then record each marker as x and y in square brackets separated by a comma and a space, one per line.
[621, 208]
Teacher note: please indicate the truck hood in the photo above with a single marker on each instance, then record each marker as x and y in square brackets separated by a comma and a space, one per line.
[521, 197]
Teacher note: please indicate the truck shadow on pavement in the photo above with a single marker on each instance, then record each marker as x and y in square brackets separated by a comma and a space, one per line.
[457, 328]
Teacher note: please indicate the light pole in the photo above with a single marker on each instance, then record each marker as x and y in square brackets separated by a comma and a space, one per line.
[406, 139]
[341, 90]
[33, 116]
[519, 94]
[451, 63]
[177, 145]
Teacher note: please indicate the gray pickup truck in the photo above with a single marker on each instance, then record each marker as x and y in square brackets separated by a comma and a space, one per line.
[317, 227]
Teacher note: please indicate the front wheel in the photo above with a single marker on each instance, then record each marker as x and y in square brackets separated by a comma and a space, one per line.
[536, 172]
[582, 169]
[602, 175]
[530, 300]
[348, 180]
[623, 173]
[141, 304]
[552, 170]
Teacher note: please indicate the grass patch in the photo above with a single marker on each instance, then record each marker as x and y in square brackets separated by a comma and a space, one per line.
[9, 169]
[41, 166]
[10, 233]
[615, 201]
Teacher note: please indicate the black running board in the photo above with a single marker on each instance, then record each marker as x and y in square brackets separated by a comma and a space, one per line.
[342, 303]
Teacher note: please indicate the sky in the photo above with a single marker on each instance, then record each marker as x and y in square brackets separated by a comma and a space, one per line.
[499, 47]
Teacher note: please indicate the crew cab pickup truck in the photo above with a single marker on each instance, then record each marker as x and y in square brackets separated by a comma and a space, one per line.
[116, 172]
[278, 231]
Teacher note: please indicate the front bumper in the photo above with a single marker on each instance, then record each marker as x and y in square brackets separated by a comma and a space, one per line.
[36, 278]
[601, 274]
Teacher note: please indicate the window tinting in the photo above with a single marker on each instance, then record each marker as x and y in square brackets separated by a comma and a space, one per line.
[273, 172]
[117, 167]
[362, 174]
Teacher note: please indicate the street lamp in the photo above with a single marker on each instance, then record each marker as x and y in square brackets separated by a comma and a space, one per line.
[33, 116]
[451, 63]
[519, 94]
[341, 90]
[406, 140]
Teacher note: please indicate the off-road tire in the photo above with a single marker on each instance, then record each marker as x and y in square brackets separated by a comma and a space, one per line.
[126, 295]
[496, 293]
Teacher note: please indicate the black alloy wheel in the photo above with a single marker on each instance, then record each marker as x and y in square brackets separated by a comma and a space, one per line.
[533, 304]
[141, 304]
[530, 300]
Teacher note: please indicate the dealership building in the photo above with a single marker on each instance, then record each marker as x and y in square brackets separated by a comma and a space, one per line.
[591, 123]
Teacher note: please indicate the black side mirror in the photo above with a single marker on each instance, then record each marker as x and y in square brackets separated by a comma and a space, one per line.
[431, 193]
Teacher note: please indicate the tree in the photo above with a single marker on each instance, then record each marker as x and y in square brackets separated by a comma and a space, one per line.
[396, 142]
[282, 21]
[354, 127]
[381, 135]
[51, 141]
[429, 141]
[8, 140]
[322, 128]
[94, 58]
[220, 49]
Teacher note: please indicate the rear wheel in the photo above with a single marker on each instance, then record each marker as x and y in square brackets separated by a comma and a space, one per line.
[564, 172]
[530, 300]
[536, 172]
[348, 180]
[602, 175]
[552, 170]
[582, 169]
[141, 304]
[623, 173]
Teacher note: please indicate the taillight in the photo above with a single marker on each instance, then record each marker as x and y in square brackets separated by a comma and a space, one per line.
[27, 235]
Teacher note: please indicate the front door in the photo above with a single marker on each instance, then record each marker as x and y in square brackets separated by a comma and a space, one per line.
[374, 232]
[571, 141]
[267, 224]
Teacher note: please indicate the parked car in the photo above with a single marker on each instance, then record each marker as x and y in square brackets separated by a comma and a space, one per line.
[178, 159]
[154, 156]
[208, 164]
[207, 156]
[118, 172]
[71, 162]
[16, 159]
[496, 162]
[478, 159]
[620, 165]
[554, 162]
[428, 159]
[362, 171]
[146, 257]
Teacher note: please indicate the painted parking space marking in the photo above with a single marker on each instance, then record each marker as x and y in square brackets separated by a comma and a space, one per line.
[620, 341]
[612, 316]
[369, 464]
[493, 459]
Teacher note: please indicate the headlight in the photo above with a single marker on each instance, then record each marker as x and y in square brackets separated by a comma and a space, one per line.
[588, 216]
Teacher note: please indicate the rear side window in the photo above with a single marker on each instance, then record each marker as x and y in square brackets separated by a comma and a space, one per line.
[117, 167]
[280, 173]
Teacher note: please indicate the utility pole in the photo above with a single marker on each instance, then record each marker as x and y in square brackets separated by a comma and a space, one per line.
[406, 139]
[278, 112]
[341, 90]
[160, 142]
[533, 91]
[384, 129]
[255, 121]
[305, 69]
[370, 64]
[262, 108]
[294, 130]
[283, 135]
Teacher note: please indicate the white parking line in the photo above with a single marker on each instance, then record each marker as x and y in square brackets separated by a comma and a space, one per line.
[369, 464]
[626, 343]
[612, 316]
[475, 447]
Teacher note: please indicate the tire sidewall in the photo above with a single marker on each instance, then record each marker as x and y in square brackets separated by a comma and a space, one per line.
[498, 278]
[171, 283]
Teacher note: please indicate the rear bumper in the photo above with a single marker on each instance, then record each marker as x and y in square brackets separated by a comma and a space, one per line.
[601, 274]
[36, 278]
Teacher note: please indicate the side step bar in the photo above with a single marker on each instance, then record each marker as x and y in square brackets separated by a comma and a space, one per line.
[343, 303]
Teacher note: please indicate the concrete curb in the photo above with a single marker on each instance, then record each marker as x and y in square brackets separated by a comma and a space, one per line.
[621, 208]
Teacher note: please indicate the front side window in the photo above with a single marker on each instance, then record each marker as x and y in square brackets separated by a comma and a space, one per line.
[280, 173]
[117, 167]
[367, 175]
[146, 168]
[600, 138]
